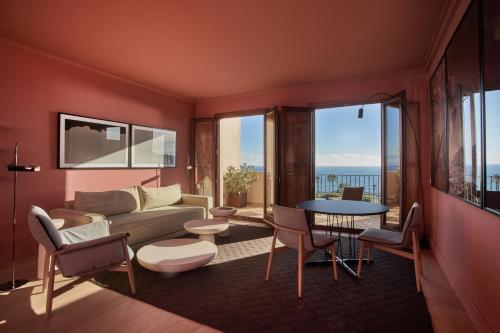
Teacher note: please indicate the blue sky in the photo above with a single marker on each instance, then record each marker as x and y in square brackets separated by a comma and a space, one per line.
[341, 138]
[344, 140]
[252, 140]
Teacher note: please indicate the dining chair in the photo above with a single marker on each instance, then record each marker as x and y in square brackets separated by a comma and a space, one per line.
[353, 193]
[395, 242]
[292, 229]
[80, 252]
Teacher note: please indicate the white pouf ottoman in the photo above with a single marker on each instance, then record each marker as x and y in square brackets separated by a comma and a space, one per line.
[176, 255]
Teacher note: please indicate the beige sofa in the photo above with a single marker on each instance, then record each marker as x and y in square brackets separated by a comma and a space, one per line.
[145, 213]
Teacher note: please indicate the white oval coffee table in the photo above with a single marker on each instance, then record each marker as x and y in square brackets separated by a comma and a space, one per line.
[176, 255]
[206, 228]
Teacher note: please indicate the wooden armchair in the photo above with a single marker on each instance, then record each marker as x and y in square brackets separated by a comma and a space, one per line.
[80, 252]
[291, 229]
[353, 193]
[395, 242]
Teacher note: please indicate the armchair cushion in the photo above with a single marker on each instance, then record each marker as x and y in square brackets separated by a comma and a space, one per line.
[85, 232]
[386, 237]
[43, 230]
[91, 257]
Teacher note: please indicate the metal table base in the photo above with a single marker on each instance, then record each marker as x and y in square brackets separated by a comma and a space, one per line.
[339, 220]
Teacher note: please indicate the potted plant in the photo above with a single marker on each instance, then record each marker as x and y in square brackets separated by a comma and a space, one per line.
[237, 182]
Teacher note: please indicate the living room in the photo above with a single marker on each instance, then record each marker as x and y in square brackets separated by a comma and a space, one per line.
[174, 71]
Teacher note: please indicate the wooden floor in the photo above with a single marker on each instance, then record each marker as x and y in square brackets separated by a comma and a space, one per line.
[90, 308]
[85, 308]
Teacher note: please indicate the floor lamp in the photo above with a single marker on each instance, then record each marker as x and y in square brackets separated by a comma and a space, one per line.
[14, 167]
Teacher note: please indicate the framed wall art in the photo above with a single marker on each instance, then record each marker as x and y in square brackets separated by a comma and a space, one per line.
[153, 147]
[92, 143]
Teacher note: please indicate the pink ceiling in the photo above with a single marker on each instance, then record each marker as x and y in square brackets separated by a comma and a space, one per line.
[205, 49]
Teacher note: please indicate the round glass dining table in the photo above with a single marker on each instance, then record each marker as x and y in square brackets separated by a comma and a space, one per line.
[340, 211]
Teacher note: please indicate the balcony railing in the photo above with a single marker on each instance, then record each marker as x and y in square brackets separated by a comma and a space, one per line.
[330, 186]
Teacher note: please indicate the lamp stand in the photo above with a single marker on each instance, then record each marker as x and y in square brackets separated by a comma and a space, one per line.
[15, 283]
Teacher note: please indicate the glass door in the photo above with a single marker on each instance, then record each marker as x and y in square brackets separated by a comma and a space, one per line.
[392, 161]
[269, 162]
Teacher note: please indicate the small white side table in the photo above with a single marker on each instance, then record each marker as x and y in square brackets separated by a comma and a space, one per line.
[224, 213]
[206, 228]
[58, 223]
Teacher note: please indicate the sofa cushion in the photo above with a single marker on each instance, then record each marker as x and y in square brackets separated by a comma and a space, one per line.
[143, 226]
[154, 197]
[108, 202]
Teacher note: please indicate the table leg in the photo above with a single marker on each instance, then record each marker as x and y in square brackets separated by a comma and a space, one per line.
[210, 238]
[41, 262]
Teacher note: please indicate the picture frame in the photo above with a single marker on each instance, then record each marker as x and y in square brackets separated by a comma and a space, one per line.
[153, 147]
[92, 143]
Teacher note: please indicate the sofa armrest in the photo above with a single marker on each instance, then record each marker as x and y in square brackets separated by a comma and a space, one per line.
[73, 218]
[199, 200]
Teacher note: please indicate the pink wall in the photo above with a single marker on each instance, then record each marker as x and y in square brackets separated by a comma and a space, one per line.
[33, 89]
[465, 238]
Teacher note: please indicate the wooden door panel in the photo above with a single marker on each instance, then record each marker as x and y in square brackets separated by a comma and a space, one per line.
[296, 155]
[204, 157]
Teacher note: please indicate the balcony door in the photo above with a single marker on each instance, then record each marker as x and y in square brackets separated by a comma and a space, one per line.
[400, 169]
[270, 159]
[203, 151]
[296, 171]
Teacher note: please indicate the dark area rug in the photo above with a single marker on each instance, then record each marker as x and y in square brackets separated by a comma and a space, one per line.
[230, 294]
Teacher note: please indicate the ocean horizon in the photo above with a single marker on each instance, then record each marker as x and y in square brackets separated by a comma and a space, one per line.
[373, 170]
[368, 177]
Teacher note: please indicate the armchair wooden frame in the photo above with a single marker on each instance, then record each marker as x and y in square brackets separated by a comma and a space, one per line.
[414, 255]
[50, 262]
[303, 255]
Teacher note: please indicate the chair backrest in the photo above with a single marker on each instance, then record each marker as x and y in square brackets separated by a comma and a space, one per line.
[411, 223]
[353, 193]
[294, 218]
[43, 229]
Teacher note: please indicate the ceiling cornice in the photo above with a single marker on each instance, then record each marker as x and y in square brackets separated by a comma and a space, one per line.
[442, 33]
[312, 85]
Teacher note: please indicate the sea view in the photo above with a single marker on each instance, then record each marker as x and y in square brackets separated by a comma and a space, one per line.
[369, 177]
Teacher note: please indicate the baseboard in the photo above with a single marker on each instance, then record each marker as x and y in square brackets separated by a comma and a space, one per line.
[470, 307]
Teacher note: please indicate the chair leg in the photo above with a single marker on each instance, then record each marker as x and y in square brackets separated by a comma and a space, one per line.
[416, 258]
[334, 262]
[300, 267]
[271, 253]
[360, 258]
[419, 251]
[130, 272]
[50, 287]
[369, 254]
[46, 264]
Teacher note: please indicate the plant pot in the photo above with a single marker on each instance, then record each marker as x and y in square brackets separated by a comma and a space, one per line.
[237, 200]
